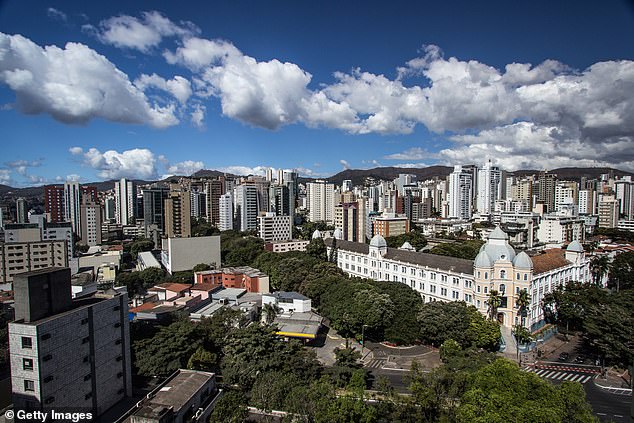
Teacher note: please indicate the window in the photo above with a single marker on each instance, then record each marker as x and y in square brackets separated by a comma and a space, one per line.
[88, 377]
[486, 275]
[518, 276]
[88, 395]
[502, 288]
[27, 364]
[502, 274]
[443, 291]
[525, 276]
[116, 308]
[486, 289]
[27, 342]
[478, 288]
[29, 386]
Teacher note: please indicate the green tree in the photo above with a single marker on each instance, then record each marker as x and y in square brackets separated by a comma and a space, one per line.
[202, 359]
[231, 408]
[621, 270]
[415, 238]
[494, 302]
[317, 249]
[201, 267]
[139, 245]
[599, 266]
[522, 302]
[169, 350]
[464, 249]
[449, 349]
[270, 311]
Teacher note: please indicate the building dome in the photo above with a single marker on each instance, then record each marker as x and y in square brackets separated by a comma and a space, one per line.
[316, 234]
[497, 246]
[498, 233]
[483, 260]
[407, 246]
[523, 261]
[575, 247]
[378, 241]
[338, 234]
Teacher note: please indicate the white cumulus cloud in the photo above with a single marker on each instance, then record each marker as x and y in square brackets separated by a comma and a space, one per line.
[138, 163]
[74, 85]
[141, 34]
[178, 86]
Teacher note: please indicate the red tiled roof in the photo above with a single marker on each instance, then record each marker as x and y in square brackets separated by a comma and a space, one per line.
[549, 260]
[169, 286]
[143, 307]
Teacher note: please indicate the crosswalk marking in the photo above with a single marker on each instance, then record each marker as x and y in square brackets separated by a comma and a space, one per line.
[375, 363]
[560, 375]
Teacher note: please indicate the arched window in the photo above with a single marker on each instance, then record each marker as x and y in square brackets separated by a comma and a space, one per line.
[502, 287]
[502, 274]
[486, 275]
[518, 277]
[525, 276]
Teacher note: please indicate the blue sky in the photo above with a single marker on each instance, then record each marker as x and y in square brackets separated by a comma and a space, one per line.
[101, 90]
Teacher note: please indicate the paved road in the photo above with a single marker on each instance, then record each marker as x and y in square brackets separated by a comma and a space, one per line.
[607, 406]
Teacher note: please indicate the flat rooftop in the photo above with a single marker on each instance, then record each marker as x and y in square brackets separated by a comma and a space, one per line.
[175, 392]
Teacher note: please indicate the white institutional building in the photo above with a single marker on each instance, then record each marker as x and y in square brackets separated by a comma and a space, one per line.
[497, 267]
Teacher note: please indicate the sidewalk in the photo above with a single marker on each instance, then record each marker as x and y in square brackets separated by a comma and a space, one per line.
[614, 382]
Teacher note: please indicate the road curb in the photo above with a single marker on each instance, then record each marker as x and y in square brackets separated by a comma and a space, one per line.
[612, 388]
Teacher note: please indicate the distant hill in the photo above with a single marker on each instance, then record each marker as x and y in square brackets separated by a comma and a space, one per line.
[357, 176]
[576, 173]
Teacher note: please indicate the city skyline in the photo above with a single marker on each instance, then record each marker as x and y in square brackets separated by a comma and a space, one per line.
[97, 92]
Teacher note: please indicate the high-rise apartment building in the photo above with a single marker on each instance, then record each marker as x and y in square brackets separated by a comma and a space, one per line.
[346, 185]
[587, 201]
[90, 218]
[72, 202]
[125, 201]
[154, 208]
[54, 203]
[489, 188]
[198, 206]
[67, 354]
[225, 222]
[546, 184]
[21, 210]
[272, 227]
[625, 195]
[566, 194]
[110, 210]
[26, 256]
[178, 213]
[459, 193]
[245, 200]
[608, 211]
[213, 190]
[321, 201]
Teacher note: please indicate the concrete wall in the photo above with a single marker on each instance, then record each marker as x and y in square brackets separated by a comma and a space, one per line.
[185, 253]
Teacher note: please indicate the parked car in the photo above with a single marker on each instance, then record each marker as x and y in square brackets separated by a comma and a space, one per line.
[564, 356]
[580, 359]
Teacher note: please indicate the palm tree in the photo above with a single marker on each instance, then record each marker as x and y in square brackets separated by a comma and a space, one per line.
[494, 302]
[599, 267]
[522, 302]
[270, 312]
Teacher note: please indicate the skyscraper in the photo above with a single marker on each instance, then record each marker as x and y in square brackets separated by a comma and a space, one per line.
[125, 201]
[54, 203]
[459, 193]
[225, 222]
[72, 202]
[178, 213]
[489, 188]
[21, 210]
[246, 207]
[90, 216]
[546, 190]
[321, 201]
[625, 194]
[154, 208]
[213, 190]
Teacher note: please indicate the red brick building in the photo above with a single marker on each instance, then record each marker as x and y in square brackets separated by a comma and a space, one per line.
[243, 277]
